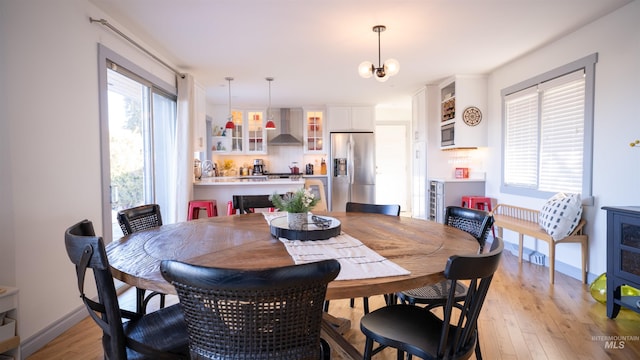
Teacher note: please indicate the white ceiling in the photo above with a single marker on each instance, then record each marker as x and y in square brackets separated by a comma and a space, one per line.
[313, 47]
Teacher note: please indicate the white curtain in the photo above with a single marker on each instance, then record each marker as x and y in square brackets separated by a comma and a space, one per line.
[184, 146]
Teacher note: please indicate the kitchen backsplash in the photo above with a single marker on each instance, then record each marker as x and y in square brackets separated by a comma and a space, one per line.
[472, 159]
[278, 160]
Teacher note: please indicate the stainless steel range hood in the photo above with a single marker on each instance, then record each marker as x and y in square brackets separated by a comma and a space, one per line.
[285, 137]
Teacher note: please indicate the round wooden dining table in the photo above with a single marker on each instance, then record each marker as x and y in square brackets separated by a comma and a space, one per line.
[244, 241]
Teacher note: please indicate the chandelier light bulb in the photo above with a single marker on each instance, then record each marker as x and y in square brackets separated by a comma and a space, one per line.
[365, 69]
[391, 66]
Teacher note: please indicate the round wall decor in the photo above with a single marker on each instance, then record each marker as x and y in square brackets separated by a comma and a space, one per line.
[472, 116]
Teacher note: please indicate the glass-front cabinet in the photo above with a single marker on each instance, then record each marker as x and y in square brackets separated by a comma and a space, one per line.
[256, 133]
[314, 131]
[247, 137]
[237, 133]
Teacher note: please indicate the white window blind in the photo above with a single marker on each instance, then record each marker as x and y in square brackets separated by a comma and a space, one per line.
[562, 134]
[521, 139]
[544, 135]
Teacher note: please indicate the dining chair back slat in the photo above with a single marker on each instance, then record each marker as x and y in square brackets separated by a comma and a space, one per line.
[385, 209]
[246, 204]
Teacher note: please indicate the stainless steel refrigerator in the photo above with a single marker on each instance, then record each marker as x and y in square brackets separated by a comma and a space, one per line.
[353, 169]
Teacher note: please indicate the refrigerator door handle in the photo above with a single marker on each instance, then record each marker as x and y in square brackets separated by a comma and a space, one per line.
[350, 159]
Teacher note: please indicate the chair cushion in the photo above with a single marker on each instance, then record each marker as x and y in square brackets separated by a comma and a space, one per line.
[164, 329]
[560, 215]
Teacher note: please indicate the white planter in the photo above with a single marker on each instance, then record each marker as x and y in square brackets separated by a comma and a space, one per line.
[296, 221]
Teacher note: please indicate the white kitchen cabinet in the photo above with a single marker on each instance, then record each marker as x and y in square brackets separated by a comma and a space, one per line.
[249, 136]
[314, 133]
[419, 181]
[463, 105]
[256, 132]
[443, 193]
[419, 115]
[351, 118]
[419, 150]
[200, 119]
[9, 339]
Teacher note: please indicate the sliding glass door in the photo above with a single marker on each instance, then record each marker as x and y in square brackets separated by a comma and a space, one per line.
[140, 142]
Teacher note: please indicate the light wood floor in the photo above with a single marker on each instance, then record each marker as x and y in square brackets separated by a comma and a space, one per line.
[523, 318]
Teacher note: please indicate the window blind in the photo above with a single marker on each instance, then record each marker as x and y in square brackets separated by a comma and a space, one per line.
[562, 134]
[544, 135]
[521, 139]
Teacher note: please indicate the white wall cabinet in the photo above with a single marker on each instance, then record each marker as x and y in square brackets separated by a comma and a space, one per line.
[248, 137]
[463, 104]
[200, 119]
[419, 150]
[314, 132]
[9, 339]
[351, 118]
[256, 136]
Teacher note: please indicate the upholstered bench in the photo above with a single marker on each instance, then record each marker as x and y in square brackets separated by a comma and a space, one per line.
[525, 222]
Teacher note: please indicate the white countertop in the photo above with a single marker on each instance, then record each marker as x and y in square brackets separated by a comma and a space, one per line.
[456, 180]
[247, 180]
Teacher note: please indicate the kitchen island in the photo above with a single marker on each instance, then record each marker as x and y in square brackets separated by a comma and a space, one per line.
[222, 189]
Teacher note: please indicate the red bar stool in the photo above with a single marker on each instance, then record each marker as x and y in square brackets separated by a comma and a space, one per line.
[480, 203]
[196, 205]
[477, 202]
[230, 209]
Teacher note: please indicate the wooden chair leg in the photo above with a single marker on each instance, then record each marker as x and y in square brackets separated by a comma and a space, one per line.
[584, 246]
[521, 244]
[552, 262]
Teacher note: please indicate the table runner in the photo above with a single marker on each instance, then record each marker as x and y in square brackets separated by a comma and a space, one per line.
[357, 261]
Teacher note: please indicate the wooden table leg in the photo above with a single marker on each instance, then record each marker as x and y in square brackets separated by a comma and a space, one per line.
[332, 329]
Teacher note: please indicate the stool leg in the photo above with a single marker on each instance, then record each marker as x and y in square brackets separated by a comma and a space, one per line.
[209, 210]
[193, 212]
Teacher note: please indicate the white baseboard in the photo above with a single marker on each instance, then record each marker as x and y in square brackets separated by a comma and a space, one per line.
[36, 342]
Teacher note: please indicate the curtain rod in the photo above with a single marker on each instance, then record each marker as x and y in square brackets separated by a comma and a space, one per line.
[106, 23]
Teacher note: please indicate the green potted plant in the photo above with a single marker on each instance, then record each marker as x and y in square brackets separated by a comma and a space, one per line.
[297, 204]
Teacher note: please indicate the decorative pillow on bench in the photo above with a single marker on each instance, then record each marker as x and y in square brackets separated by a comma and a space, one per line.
[560, 215]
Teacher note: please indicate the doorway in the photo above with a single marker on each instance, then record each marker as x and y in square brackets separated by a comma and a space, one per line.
[392, 151]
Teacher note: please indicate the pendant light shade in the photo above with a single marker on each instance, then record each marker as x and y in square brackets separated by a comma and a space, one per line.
[229, 124]
[270, 124]
[367, 69]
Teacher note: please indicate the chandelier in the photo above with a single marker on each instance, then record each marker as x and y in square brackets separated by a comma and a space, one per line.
[270, 124]
[230, 124]
[383, 71]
